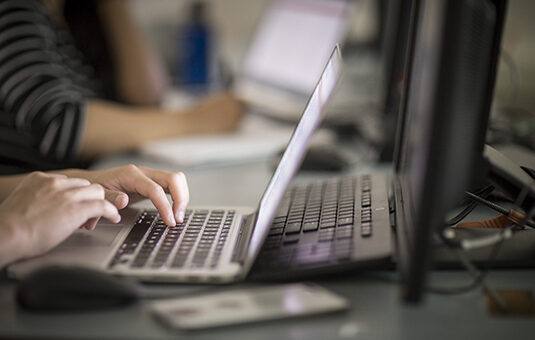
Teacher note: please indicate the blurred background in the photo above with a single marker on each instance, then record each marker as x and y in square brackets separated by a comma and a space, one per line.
[232, 25]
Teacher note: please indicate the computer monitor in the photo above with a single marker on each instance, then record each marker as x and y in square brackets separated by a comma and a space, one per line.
[446, 107]
[395, 54]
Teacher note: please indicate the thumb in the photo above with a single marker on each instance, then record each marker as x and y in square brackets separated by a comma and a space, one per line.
[117, 198]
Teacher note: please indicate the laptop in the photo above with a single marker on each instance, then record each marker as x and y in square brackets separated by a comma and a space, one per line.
[220, 244]
[276, 82]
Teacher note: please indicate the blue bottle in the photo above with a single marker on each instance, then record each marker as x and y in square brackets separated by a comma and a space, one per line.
[194, 50]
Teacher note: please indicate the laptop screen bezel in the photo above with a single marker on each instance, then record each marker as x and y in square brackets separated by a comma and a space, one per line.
[252, 254]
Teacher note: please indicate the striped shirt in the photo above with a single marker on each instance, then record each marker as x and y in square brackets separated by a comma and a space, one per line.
[43, 88]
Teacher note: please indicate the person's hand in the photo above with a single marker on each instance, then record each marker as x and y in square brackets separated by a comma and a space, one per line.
[215, 114]
[128, 184]
[44, 209]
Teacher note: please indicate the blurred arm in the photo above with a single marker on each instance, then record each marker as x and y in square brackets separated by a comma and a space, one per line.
[112, 127]
[141, 78]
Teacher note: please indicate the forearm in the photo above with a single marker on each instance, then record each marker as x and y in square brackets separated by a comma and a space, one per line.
[140, 76]
[111, 128]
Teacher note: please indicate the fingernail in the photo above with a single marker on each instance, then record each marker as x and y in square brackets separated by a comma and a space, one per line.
[118, 218]
[172, 218]
[121, 201]
[180, 216]
[118, 200]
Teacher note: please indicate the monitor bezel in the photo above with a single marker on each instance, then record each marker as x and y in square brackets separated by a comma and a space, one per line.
[415, 225]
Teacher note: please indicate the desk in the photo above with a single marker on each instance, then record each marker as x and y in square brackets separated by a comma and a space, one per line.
[375, 313]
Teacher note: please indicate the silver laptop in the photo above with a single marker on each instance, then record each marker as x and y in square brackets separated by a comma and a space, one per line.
[214, 244]
[270, 79]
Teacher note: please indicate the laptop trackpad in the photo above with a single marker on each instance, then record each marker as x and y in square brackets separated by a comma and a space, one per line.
[84, 247]
[102, 235]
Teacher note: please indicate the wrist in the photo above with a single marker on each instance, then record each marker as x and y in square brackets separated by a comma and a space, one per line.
[12, 244]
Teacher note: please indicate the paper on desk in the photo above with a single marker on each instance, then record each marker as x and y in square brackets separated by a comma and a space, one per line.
[257, 138]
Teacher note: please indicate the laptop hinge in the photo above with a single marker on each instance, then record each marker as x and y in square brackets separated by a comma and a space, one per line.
[240, 251]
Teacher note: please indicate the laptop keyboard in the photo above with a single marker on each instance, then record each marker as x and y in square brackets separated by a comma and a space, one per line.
[196, 243]
[316, 224]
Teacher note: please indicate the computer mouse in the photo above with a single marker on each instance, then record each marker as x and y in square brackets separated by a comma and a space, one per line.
[68, 288]
[324, 158]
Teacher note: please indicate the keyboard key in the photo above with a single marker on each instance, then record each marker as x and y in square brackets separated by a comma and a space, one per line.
[326, 235]
[327, 224]
[292, 238]
[345, 221]
[276, 231]
[293, 228]
[366, 229]
[346, 233]
[310, 226]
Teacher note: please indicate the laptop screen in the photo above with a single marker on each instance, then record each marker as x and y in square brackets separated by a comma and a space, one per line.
[295, 150]
[307, 28]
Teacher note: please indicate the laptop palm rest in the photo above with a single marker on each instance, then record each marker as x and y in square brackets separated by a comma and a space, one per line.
[84, 247]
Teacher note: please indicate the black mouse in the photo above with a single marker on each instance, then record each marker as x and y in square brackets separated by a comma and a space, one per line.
[67, 288]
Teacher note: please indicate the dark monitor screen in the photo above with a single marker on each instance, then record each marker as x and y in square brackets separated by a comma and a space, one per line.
[395, 54]
[440, 141]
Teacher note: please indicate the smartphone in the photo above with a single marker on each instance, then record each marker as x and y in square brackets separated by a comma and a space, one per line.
[247, 305]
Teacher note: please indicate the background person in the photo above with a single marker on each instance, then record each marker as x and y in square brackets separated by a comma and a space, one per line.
[56, 111]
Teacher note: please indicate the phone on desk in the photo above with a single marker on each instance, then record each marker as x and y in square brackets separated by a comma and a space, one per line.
[247, 305]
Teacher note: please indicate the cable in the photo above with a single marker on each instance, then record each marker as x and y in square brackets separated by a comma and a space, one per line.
[470, 206]
[501, 210]
[477, 280]
[460, 246]
[486, 288]
[480, 275]
[489, 204]
[462, 215]
[447, 235]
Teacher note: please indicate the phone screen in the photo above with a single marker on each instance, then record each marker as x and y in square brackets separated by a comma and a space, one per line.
[247, 305]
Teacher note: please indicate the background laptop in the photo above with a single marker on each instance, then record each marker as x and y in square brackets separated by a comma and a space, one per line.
[287, 54]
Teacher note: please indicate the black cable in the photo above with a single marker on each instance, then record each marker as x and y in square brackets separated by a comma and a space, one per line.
[479, 197]
[502, 210]
[485, 192]
[462, 215]
[480, 275]
[459, 247]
